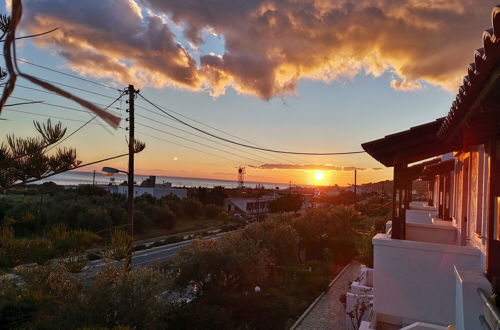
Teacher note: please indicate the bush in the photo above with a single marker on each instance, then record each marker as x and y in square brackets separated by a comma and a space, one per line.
[38, 250]
[162, 217]
[174, 239]
[224, 216]
[53, 299]
[142, 223]
[95, 218]
[192, 208]
[211, 211]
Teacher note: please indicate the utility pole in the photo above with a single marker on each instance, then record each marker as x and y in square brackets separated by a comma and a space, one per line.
[131, 143]
[355, 187]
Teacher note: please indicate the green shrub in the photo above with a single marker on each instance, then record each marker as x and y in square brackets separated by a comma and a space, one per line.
[192, 208]
[142, 223]
[211, 211]
[174, 239]
[95, 219]
[38, 250]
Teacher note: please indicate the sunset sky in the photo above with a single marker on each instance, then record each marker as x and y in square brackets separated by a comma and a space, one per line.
[299, 75]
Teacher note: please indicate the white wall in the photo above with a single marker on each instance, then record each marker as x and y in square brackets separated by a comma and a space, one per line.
[431, 233]
[415, 280]
[156, 192]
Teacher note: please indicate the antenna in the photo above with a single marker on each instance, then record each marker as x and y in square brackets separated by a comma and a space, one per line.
[241, 177]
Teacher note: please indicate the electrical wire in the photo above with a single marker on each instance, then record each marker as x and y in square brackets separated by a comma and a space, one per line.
[253, 146]
[246, 145]
[185, 146]
[199, 136]
[64, 73]
[71, 169]
[85, 124]
[196, 142]
[138, 132]
[77, 88]
[62, 106]
[48, 116]
[212, 127]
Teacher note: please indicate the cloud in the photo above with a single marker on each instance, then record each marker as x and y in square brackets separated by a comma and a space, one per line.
[112, 39]
[270, 45]
[324, 167]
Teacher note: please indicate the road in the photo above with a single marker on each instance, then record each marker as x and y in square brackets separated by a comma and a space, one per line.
[147, 257]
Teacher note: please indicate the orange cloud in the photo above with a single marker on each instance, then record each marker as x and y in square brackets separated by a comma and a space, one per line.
[270, 45]
[325, 167]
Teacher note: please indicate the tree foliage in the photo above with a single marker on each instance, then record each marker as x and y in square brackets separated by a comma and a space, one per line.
[286, 203]
[27, 159]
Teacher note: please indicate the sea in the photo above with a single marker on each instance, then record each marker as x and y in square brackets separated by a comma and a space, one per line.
[81, 178]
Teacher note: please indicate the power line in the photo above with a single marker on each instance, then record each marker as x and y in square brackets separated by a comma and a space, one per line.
[142, 133]
[205, 152]
[61, 106]
[209, 126]
[64, 73]
[196, 142]
[146, 117]
[48, 116]
[77, 88]
[198, 136]
[33, 35]
[253, 146]
[85, 124]
[52, 93]
[249, 146]
[71, 169]
[185, 146]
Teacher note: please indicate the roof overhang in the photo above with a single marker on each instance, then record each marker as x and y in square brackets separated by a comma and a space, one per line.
[481, 85]
[443, 167]
[416, 144]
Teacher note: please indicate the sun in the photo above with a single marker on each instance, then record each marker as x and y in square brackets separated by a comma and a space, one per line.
[319, 176]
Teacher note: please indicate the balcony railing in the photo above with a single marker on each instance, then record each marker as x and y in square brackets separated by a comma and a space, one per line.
[415, 280]
[491, 317]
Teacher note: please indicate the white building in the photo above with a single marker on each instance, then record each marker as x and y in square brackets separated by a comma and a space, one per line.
[158, 191]
[248, 205]
[435, 265]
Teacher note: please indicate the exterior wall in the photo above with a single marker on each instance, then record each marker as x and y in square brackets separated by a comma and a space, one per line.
[473, 233]
[247, 205]
[435, 197]
[181, 193]
[431, 233]
[156, 192]
[416, 281]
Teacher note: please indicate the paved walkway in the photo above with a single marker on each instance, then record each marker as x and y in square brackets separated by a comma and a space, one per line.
[328, 312]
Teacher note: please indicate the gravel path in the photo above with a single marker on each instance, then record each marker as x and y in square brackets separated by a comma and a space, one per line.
[328, 312]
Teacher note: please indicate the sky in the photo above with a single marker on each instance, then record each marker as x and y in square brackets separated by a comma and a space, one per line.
[308, 76]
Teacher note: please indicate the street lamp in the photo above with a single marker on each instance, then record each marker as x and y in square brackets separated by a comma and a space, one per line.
[108, 171]
[130, 209]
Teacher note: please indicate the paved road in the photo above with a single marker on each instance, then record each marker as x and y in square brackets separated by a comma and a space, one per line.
[149, 256]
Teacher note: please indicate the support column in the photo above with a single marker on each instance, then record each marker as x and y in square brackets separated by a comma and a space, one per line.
[440, 197]
[431, 192]
[493, 222]
[399, 201]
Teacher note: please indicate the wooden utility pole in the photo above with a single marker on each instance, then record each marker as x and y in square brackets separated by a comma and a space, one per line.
[131, 151]
[355, 187]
